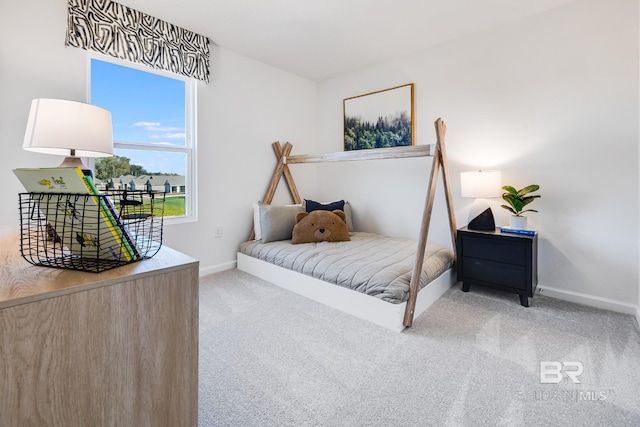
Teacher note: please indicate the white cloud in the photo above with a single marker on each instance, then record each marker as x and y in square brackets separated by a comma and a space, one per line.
[162, 129]
[155, 127]
[146, 124]
[169, 136]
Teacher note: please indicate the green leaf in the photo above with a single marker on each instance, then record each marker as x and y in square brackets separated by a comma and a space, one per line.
[508, 208]
[510, 189]
[528, 199]
[517, 205]
[529, 189]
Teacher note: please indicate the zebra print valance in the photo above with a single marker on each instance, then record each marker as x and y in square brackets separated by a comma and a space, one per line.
[110, 28]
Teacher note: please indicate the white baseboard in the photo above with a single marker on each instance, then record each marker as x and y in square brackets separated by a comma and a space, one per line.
[638, 315]
[218, 268]
[590, 300]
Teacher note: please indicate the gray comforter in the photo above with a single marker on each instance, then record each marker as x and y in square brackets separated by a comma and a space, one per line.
[369, 263]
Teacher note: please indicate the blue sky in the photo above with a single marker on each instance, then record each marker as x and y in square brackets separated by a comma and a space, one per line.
[145, 107]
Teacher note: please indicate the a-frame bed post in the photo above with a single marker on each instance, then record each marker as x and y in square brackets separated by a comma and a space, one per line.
[286, 172]
[441, 129]
[439, 159]
[280, 170]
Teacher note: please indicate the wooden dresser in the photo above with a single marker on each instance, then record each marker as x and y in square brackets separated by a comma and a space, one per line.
[118, 348]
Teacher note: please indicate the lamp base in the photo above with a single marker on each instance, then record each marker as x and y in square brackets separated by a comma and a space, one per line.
[483, 222]
[76, 162]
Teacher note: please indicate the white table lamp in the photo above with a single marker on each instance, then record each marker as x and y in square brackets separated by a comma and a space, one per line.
[481, 185]
[69, 128]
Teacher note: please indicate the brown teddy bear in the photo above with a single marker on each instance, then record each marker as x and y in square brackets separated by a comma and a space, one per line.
[320, 226]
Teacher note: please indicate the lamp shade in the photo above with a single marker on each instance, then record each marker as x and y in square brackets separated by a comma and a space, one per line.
[481, 184]
[58, 126]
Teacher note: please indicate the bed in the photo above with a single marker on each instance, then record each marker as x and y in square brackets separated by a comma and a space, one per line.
[374, 265]
[385, 280]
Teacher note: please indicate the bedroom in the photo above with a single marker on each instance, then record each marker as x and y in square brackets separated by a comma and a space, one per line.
[550, 98]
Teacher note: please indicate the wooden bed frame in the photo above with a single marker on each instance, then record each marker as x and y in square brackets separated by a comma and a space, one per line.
[361, 305]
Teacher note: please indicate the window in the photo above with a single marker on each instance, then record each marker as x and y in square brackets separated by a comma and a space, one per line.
[153, 130]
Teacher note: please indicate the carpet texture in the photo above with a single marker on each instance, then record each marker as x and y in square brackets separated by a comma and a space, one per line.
[269, 357]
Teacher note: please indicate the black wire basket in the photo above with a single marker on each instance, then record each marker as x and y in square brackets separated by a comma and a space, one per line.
[90, 232]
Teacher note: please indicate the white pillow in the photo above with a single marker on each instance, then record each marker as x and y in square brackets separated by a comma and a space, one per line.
[256, 222]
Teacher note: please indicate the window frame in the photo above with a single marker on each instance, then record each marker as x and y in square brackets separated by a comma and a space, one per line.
[190, 144]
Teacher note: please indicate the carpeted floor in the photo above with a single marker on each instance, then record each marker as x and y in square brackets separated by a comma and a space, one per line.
[269, 357]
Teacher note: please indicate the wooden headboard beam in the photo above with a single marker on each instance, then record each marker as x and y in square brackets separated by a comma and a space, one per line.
[378, 153]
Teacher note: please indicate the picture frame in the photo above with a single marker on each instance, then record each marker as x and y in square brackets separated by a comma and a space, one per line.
[379, 119]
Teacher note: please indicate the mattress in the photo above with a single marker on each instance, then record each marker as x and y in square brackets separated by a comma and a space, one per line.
[375, 265]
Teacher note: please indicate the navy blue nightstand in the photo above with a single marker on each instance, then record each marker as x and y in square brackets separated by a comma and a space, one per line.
[499, 260]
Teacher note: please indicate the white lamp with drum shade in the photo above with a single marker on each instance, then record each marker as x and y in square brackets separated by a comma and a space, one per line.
[69, 128]
[481, 185]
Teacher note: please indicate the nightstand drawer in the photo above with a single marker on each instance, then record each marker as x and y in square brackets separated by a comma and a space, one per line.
[511, 276]
[499, 250]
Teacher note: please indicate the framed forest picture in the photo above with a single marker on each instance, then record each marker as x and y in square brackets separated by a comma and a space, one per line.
[379, 119]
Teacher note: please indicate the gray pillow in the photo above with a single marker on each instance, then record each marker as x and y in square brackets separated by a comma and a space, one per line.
[276, 222]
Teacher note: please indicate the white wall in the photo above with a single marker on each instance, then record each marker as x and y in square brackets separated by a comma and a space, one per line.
[246, 106]
[552, 100]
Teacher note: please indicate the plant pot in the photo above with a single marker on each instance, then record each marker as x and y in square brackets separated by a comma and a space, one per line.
[518, 222]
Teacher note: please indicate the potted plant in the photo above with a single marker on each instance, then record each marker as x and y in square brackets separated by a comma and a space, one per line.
[517, 200]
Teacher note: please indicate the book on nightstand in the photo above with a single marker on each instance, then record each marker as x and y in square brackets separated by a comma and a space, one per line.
[516, 231]
[86, 221]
